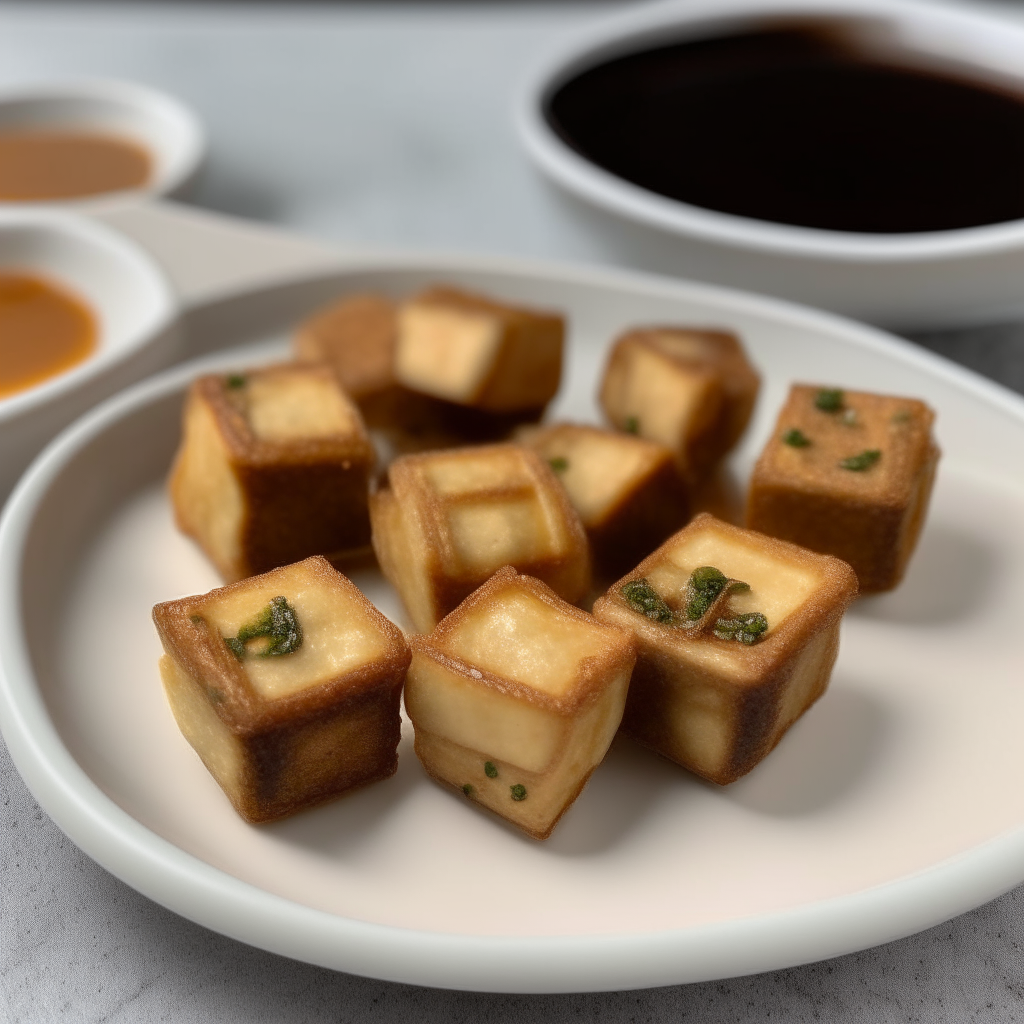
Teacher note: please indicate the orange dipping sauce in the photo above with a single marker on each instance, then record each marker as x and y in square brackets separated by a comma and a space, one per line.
[44, 330]
[39, 166]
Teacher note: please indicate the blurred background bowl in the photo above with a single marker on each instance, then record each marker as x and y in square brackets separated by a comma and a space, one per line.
[135, 312]
[165, 128]
[920, 281]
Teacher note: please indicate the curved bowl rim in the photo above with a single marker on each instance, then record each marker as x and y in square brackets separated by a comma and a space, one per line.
[164, 309]
[619, 33]
[176, 174]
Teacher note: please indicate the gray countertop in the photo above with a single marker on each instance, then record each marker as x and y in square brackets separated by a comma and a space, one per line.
[387, 124]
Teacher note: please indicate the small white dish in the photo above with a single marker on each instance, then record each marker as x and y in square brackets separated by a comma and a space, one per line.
[133, 305]
[894, 804]
[170, 132]
[908, 282]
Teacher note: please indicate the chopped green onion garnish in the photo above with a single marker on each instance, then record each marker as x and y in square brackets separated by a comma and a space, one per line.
[862, 462]
[643, 598]
[277, 624]
[829, 400]
[796, 438]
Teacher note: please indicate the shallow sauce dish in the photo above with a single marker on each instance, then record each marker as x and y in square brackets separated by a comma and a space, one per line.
[892, 805]
[130, 300]
[913, 280]
[164, 128]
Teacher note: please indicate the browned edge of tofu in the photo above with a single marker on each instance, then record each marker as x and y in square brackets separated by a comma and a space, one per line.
[203, 655]
[770, 660]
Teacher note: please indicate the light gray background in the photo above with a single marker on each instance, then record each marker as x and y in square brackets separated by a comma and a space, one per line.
[387, 124]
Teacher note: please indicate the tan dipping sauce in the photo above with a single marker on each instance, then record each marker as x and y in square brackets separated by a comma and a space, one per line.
[44, 331]
[67, 165]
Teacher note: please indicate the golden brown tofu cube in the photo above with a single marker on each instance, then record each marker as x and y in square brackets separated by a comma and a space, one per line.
[626, 489]
[692, 390]
[737, 634]
[449, 520]
[287, 685]
[357, 337]
[473, 351]
[848, 473]
[515, 697]
[273, 466]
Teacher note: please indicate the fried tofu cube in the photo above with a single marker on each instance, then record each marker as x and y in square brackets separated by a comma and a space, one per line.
[626, 489]
[449, 520]
[287, 685]
[273, 466]
[850, 474]
[357, 338]
[692, 390]
[473, 351]
[515, 697]
[737, 634]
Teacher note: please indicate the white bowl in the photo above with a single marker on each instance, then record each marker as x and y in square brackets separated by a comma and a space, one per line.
[172, 135]
[908, 281]
[134, 306]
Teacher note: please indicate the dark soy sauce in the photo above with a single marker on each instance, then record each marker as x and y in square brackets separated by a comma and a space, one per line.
[796, 126]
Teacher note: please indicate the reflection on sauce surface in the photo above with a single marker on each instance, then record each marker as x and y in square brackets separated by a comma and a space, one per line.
[44, 330]
[802, 125]
[41, 165]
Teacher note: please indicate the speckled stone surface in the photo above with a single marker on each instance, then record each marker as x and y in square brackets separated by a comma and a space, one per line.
[388, 124]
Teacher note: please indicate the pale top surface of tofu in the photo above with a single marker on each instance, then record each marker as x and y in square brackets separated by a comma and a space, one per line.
[777, 587]
[339, 634]
[521, 637]
[681, 345]
[664, 396]
[601, 471]
[446, 351]
[466, 473]
[485, 535]
[291, 406]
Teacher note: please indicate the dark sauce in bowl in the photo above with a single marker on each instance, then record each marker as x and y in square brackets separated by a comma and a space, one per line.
[796, 126]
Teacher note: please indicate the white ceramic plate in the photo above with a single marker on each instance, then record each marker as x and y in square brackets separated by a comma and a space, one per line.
[893, 804]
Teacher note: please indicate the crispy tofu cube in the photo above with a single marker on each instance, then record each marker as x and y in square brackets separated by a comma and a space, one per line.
[692, 390]
[476, 352]
[850, 474]
[626, 489]
[515, 697]
[273, 466]
[287, 685]
[737, 634]
[449, 520]
[357, 337]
